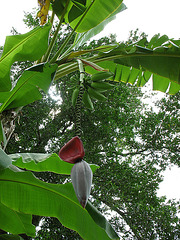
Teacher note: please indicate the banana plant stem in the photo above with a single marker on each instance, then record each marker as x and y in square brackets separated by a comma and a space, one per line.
[62, 47]
[52, 18]
[59, 52]
[51, 45]
[67, 68]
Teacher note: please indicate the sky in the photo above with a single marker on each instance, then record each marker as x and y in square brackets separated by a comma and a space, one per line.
[150, 16]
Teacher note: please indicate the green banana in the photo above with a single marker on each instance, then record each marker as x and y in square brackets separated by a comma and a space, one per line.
[96, 95]
[87, 100]
[102, 86]
[74, 96]
[101, 76]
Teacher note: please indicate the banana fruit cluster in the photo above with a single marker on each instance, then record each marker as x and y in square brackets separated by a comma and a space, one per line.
[93, 89]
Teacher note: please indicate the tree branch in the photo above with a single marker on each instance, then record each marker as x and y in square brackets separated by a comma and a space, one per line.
[123, 215]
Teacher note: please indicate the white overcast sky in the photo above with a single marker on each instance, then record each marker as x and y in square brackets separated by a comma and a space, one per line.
[150, 16]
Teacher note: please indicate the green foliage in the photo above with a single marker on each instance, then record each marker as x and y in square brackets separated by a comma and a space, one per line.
[5, 161]
[85, 36]
[40, 198]
[91, 19]
[52, 228]
[139, 61]
[39, 162]
[30, 46]
[31, 80]
[117, 129]
[16, 222]
[10, 237]
[131, 183]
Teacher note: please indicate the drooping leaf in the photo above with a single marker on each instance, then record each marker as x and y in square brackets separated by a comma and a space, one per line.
[29, 46]
[101, 221]
[136, 64]
[15, 222]
[32, 196]
[43, 162]
[27, 88]
[98, 12]
[85, 36]
[5, 160]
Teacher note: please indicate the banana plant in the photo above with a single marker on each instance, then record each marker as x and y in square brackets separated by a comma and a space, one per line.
[21, 194]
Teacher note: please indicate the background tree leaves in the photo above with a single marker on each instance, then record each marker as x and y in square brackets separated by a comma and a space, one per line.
[124, 142]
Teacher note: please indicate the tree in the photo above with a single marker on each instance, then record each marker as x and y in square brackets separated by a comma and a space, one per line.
[128, 62]
[140, 188]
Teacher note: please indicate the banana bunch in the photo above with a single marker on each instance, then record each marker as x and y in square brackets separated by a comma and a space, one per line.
[75, 96]
[93, 89]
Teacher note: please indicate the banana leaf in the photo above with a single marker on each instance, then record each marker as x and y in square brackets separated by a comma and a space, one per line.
[27, 89]
[16, 222]
[24, 193]
[97, 13]
[137, 63]
[43, 162]
[29, 46]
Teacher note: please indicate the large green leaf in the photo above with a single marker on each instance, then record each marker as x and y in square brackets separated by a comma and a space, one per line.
[58, 7]
[138, 62]
[10, 237]
[101, 220]
[98, 12]
[22, 192]
[76, 10]
[85, 36]
[15, 222]
[5, 160]
[43, 162]
[27, 88]
[30, 46]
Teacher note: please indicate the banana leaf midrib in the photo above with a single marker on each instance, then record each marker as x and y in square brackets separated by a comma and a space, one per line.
[105, 58]
[67, 68]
